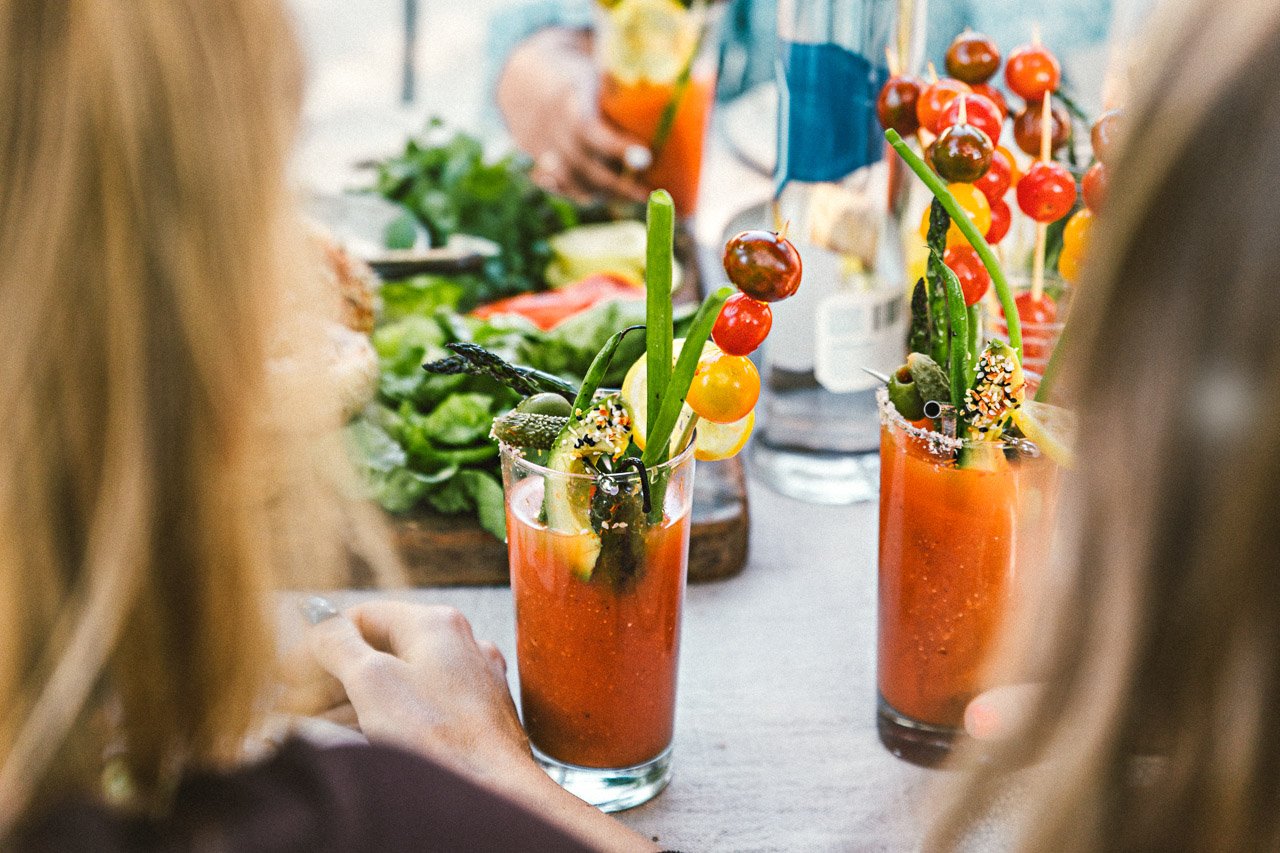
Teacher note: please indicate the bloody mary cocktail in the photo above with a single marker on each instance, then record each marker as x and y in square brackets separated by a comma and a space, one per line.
[954, 542]
[598, 652]
[637, 108]
[658, 78]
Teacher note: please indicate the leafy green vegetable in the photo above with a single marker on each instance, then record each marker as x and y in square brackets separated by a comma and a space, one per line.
[460, 420]
[425, 441]
[452, 188]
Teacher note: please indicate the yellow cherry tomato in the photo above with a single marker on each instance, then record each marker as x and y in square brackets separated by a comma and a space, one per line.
[1075, 244]
[1078, 229]
[1069, 263]
[1015, 172]
[972, 202]
[724, 389]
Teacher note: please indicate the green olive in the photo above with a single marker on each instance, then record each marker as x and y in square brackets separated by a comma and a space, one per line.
[546, 403]
[904, 395]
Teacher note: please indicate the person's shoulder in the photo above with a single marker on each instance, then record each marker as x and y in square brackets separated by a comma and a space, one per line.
[313, 798]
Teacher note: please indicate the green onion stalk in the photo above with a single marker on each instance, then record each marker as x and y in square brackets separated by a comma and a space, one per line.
[969, 230]
[668, 386]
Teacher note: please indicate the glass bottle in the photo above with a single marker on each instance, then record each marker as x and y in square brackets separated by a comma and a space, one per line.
[818, 439]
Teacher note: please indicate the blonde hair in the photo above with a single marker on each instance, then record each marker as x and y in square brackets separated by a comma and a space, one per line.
[1157, 640]
[146, 241]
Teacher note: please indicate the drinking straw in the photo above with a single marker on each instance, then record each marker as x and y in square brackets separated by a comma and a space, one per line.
[970, 232]
[659, 248]
[1042, 228]
[667, 121]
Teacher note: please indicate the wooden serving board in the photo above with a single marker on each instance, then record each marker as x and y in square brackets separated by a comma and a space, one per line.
[441, 550]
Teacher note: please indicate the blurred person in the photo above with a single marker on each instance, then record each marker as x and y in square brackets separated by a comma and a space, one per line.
[546, 83]
[156, 479]
[1151, 716]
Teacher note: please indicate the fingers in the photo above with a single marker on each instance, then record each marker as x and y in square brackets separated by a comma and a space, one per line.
[999, 712]
[494, 657]
[306, 688]
[340, 648]
[400, 628]
[586, 162]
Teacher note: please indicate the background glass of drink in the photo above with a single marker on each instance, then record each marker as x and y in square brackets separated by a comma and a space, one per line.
[657, 63]
[1038, 339]
[598, 640]
[953, 543]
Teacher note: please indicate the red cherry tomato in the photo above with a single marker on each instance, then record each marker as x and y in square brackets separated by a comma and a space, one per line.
[896, 106]
[979, 111]
[973, 58]
[1045, 310]
[1105, 132]
[743, 324]
[995, 96]
[999, 177]
[1026, 128]
[763, 265]
[934, 100]
[1095, 185]
[1001, 220]
[1047, 192]
[968, 267]
[1031, 71]
[724, 389]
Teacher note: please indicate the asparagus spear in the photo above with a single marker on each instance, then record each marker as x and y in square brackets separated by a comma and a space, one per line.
[966, 226]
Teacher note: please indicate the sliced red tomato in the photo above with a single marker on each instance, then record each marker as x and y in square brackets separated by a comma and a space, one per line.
[549, 308]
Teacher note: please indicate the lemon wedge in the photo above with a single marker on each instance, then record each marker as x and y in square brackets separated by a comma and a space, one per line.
[647, 40]
[1053, 428]
[714, 441]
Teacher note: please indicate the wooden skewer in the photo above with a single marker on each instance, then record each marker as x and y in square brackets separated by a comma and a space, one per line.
[933, 73]
[906, 15]
[891, 62]
[1042, 228]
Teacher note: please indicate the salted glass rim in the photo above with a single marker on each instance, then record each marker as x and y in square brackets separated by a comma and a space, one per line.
[889, 414]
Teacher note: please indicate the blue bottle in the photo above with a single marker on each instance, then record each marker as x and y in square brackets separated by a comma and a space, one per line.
[818, 439]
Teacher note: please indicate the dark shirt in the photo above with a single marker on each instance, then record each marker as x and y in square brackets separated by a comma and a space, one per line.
[347, 798]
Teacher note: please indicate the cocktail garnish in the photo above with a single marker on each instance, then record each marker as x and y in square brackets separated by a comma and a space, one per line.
[478, 361]
[998, 390]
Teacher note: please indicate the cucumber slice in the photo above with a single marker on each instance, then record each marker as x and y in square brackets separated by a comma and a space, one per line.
[566, 504]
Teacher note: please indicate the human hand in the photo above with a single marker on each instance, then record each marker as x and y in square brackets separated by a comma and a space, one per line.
[999, 712]
[416, 676]
[549, 97]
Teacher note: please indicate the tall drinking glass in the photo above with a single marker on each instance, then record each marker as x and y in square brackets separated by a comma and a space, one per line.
[598, 586]
[658, 79]
[955, 539]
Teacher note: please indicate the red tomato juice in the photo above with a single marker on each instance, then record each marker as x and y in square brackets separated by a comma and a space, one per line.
[597, 663]
[637, 108]
[950, 552]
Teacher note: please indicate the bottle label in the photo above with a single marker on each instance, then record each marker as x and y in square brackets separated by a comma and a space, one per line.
[856, 330]
[827, 112]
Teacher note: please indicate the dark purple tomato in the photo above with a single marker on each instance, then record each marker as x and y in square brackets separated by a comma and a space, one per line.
[763, 264]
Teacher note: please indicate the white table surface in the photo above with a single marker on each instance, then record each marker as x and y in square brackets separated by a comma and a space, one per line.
[776, 745]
